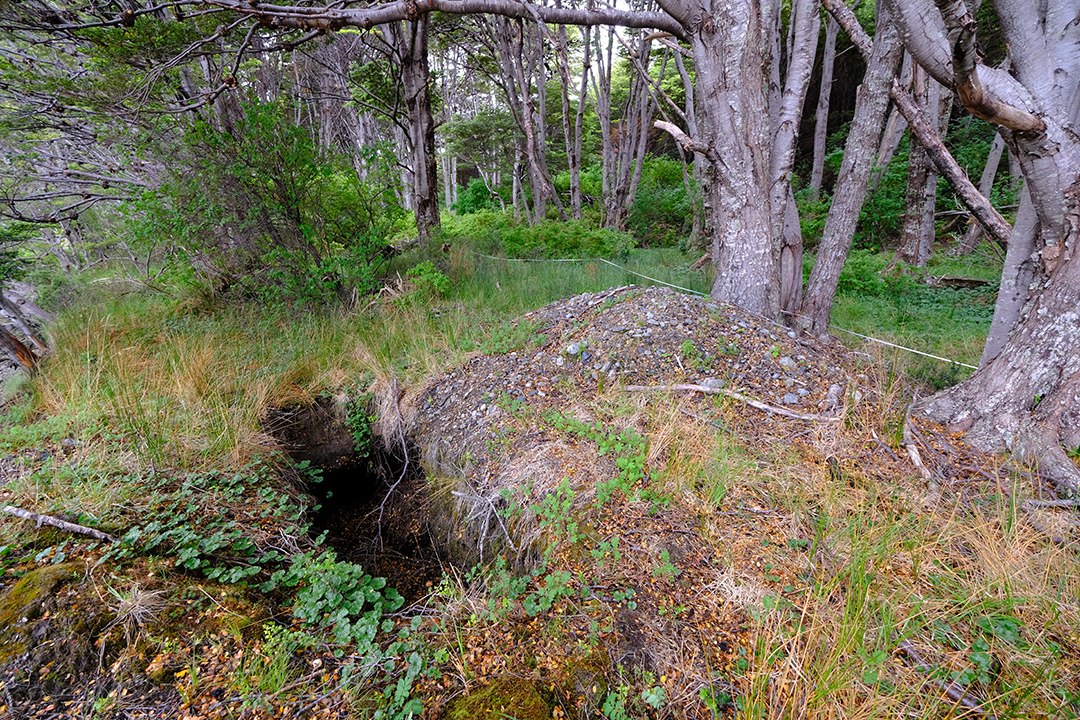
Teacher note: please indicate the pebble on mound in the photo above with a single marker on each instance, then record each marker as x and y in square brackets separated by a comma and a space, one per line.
[597, 343]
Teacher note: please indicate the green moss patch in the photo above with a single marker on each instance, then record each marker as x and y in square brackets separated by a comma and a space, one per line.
[507, 698]
[26, 601]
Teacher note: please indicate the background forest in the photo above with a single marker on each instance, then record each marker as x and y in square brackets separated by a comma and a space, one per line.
[221, 222]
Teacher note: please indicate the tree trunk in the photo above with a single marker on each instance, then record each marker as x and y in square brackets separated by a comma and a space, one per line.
[851, 186]
[1027, 399]
[821, 115]
[733, 121]
[579, 124]
[1021, 260]
[412, 41]
[986, 186]
[917, 239]
[785, 217]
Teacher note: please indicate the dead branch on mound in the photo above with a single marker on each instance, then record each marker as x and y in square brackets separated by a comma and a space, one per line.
[58, 523]
[732, 394]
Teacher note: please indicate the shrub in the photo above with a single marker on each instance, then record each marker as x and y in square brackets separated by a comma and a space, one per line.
[265, 211]
[661, 210]
[475, 198]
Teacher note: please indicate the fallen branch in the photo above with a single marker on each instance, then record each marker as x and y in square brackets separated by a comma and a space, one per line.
[732, 394]
[953, 691]
[58, 523]
[1052, 503]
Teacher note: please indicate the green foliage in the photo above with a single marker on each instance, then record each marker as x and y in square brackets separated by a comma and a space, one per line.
[497, 233]
[556, 239]
[333, 595]
[358, 419]
[428, 283]
[12, 237]
[264, 211]
[661, 212]
[860, 275]
[812, 215]
[198, 520]
[475, 198]
[627, 446]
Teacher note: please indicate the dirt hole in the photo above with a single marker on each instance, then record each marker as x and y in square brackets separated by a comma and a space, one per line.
[399, 547]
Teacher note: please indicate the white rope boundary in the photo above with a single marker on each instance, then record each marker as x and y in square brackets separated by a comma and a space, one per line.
[705, 295]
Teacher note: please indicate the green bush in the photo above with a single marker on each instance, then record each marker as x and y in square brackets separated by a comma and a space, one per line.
[497, 233]
[475, 198]
[265, 212]
[860, 275]
[661, 212]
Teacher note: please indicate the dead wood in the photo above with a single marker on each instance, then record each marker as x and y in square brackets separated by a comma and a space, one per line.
[58, 523]
[732, 394]
[955, 692]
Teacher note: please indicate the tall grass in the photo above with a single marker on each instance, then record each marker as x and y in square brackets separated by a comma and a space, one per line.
[188, 383]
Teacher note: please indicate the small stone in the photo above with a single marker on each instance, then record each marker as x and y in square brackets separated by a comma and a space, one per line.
[787, 363]
[791, 399]
[585, 356]
[560, 361]
[712, 383]
[573, 348]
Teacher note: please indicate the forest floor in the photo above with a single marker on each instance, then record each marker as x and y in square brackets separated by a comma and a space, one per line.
[673, 509]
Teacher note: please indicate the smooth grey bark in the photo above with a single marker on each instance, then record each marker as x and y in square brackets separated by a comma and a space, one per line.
[986, 186]
[851, 186]
[1021, 260]
[579, 124]
[785, 218]
[1027, 399]
[821, 114]
[573, 161]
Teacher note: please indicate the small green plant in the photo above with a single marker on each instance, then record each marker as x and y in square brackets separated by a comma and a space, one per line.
[666, 570]
[629, 449]
[427, 282]
[358, 419]
[338, 597]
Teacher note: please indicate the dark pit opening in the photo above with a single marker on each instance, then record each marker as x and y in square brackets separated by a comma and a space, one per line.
[399, 547]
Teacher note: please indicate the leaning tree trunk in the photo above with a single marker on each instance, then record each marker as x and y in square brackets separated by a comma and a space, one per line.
[986, 186]
[851, 186]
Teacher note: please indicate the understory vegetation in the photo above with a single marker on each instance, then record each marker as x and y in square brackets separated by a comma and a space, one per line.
[763, 573]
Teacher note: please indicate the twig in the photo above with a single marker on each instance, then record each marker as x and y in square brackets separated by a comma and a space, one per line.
[731, 394]
[953, 691]
[58, 523]
[1052, 503]
[913, 450]
[705, 420]
[404, 449]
